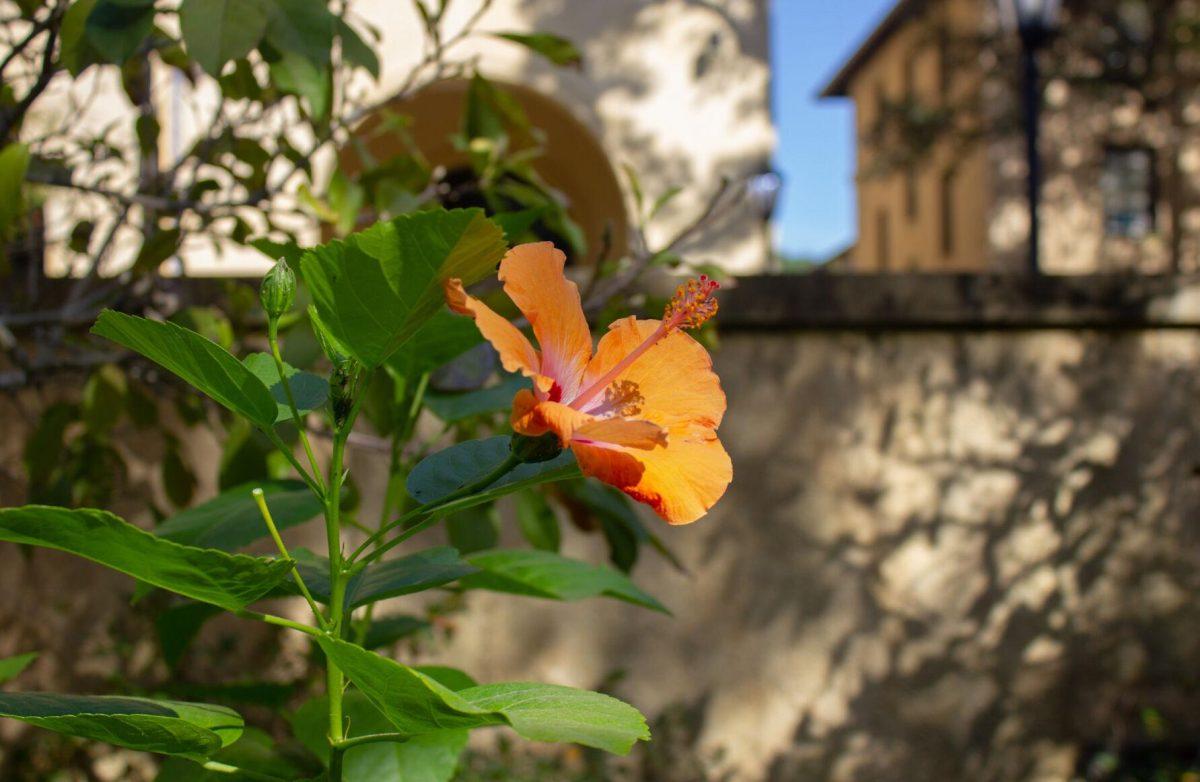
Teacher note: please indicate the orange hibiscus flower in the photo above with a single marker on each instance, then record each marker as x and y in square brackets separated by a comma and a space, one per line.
[640, 412]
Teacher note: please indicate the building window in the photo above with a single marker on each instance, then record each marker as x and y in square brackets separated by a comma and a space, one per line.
[945, 72]
[911, 200]
[946, 196]
[883, 241]
[1128, 188]
[910, 76]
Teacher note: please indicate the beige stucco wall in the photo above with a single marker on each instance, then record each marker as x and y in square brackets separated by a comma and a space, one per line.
[944, 555]
[914, 239]
[991, 219]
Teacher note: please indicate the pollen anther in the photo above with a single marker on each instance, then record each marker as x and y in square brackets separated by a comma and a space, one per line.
[692, 304]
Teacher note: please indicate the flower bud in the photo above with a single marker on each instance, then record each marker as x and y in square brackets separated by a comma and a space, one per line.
[278, 291]
[535, 449]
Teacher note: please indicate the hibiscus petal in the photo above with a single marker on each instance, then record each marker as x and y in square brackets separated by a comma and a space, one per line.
[516, 352]
[620, 432]
[680, 482]
[533, 278]
[535, 418]
[672, 384]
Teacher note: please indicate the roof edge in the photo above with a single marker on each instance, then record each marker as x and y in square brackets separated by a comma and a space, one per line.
[839, 85]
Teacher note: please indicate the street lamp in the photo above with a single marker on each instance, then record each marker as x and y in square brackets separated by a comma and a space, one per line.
[1035, 21]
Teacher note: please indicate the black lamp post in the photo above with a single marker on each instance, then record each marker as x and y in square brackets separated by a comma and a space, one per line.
[1035, 22]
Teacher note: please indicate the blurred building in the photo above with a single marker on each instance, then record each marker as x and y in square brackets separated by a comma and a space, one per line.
[674, 90]
[940, 160]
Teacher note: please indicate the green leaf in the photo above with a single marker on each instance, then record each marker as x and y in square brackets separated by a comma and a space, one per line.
[231, 581]
[302, 27]
[14, 162]
[11, 667]
[202, 363]
[546, 574]
[104, 398]
[116, 29]
[515, 224]
[410, 700]
[297, 75]
[452, 468]
[193, 730]
[416, 704]
[158, 247]
[254, 753]
[453, 408]
[232, 520]
[178, 626]
[549, 712]
[309, 390]
[76, 51]
[474, 529]
[389, 630]
[538, 523]
[444, 337]
[178, 481]
[356, 51]
[390, 578]
[44, 448]
[377, 288]
[432, 757]
[554, 48]
[209, 322]
[217, 31]
[622, 526]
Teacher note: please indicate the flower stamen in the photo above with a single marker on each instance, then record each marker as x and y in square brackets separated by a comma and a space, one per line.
[692, 304]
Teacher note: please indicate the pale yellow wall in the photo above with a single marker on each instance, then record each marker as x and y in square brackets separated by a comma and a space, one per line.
[915, 241]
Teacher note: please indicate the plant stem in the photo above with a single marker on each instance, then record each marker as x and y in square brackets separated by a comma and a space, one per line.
[225, 768]
[281, 446]
[373, 738]
[273, 339]
[261, 501]
[271, 619]
[335, 681]
[338, 624]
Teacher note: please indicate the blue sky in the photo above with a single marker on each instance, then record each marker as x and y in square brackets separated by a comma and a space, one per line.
[809, 39]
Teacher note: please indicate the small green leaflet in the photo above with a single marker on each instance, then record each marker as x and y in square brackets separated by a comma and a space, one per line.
[389, 578]
[416, 704]
[217, 31]
[11, 667]
[231, 581]
[431, 757]
[192, 730]
[201, 362]
[447, 470]
[549, 575]
[255, 752]
[377, 288]
[309, 390]
[232, 520]
[453, 408]
[554, 48]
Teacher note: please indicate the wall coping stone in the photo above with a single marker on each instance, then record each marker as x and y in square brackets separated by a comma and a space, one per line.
[900, 301]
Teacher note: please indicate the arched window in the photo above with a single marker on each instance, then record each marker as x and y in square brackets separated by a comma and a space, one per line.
[572, 162]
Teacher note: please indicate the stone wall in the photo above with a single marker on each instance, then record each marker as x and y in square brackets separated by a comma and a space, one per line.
[960, 543]
[947, 554]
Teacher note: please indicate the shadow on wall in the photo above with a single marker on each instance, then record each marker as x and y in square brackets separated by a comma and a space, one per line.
[982, 546]
[678, 91]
